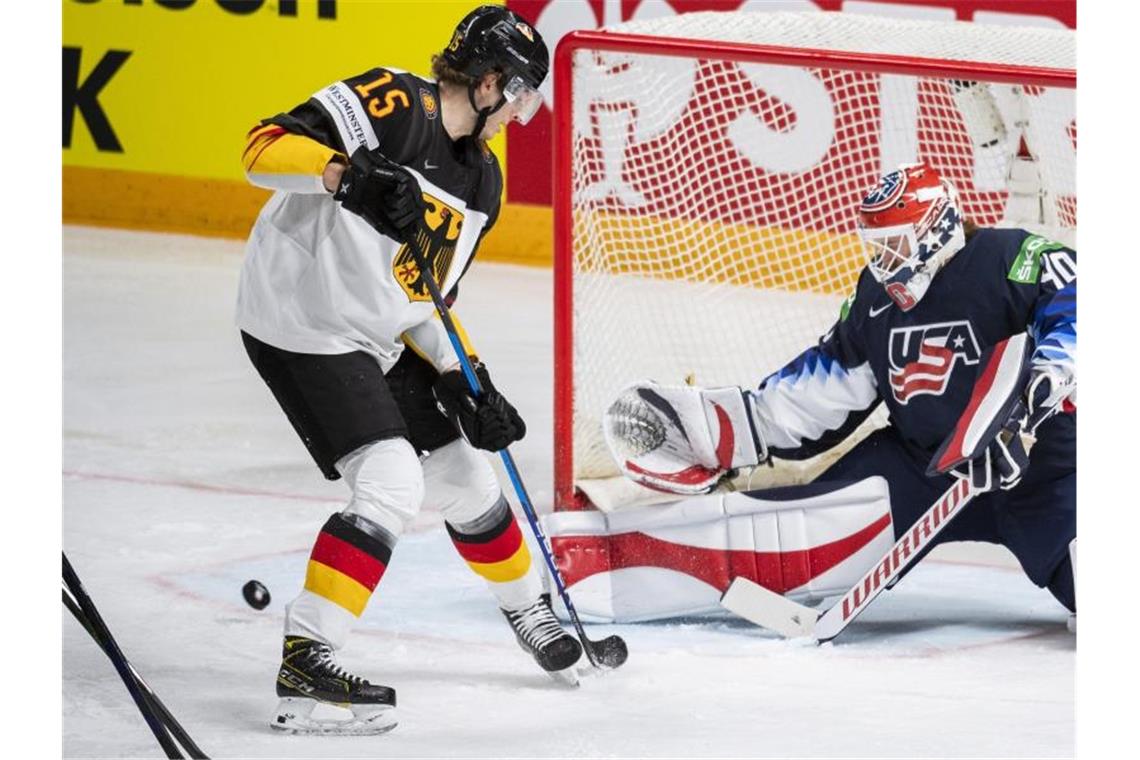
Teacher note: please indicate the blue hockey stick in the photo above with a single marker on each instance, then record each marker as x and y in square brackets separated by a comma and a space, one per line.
[609, 652]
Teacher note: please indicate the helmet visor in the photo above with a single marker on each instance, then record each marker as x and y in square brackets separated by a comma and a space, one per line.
[523, 99]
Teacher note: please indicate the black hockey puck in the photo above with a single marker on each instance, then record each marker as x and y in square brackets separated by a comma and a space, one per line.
[256, 594]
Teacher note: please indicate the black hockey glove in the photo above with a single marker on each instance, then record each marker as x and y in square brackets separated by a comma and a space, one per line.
[489, 423]
[383, 193]
[1006, 458]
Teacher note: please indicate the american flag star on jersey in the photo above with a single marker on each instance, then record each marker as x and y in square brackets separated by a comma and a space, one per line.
[922, 357]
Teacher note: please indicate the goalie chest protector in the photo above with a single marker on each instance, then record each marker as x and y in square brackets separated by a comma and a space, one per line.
[925, 360]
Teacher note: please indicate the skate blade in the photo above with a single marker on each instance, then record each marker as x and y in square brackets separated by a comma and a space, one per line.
[568, 677]
[296, 716]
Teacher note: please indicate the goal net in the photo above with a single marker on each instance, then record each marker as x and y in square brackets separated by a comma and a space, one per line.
[708, 166]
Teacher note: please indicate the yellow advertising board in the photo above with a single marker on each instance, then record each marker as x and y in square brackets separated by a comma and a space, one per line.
[159, 94]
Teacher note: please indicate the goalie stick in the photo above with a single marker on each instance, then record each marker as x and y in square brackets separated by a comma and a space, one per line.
[610, 652]
[1002, 378]
[166, 729]
[768, 609]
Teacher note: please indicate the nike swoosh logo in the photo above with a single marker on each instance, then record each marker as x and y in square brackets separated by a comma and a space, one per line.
[877, 312]
[430, 165]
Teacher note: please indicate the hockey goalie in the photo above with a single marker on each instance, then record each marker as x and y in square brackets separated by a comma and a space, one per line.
[937, 295]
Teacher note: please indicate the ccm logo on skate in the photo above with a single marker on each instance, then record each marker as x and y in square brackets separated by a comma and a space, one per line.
[297, 683]
[912, 542]
[923, 357]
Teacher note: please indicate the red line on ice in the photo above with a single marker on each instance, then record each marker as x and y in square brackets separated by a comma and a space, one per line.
[230, 490]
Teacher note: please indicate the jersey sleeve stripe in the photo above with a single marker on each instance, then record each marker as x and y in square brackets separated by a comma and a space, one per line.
[259, 137]
[278, 160]
[812, 396]
[1054, 331]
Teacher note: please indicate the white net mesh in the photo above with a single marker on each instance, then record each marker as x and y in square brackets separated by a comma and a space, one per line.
[856, 33]
[712, 201]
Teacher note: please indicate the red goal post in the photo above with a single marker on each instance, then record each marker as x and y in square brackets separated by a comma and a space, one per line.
[640, 234]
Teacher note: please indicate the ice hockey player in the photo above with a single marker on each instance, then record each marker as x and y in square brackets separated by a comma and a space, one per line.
[330, 297]
[936, 293]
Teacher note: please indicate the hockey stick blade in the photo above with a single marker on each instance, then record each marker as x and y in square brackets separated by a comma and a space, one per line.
[768, 609]
[608, 653]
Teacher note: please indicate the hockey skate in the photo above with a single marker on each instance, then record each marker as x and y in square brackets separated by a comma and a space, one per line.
[540, 634]
[309, 679]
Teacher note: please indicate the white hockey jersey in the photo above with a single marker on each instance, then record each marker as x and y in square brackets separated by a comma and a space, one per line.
[318, 279]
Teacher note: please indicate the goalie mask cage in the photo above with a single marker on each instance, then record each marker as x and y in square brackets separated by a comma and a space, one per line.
[708, 167]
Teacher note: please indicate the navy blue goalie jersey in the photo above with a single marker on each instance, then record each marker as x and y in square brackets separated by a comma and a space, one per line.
[922, 363]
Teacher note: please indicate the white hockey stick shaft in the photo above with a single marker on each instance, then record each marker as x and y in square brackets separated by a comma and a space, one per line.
[912, 543]
[770, 610]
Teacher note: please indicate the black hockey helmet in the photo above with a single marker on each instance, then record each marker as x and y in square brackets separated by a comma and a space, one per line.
[492, 37]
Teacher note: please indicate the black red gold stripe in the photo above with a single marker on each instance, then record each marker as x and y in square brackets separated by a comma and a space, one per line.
[347, 562]
[498, 554]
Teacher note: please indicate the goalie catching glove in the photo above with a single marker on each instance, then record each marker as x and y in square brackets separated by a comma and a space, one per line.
[488, 422]
[383, 193]
[681, 439]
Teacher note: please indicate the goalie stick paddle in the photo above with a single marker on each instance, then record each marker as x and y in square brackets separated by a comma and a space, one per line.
[610, 652]
[1000, 380]
[93, 622]
[164, 715]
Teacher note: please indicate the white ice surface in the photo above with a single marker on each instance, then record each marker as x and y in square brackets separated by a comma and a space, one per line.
[183, 480]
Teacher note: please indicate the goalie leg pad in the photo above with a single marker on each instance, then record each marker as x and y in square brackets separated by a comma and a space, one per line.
[656, 562]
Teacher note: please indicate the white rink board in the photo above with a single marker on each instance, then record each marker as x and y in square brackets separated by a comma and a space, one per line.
[183, 480]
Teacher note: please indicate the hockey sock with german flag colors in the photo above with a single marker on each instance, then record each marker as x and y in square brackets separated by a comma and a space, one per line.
[348, 560]
[493, 546]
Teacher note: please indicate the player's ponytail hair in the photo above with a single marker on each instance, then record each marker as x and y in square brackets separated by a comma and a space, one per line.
[445, 73]
[969, 228]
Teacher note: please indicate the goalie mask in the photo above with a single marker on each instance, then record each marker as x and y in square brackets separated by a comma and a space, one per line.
[911, 223]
